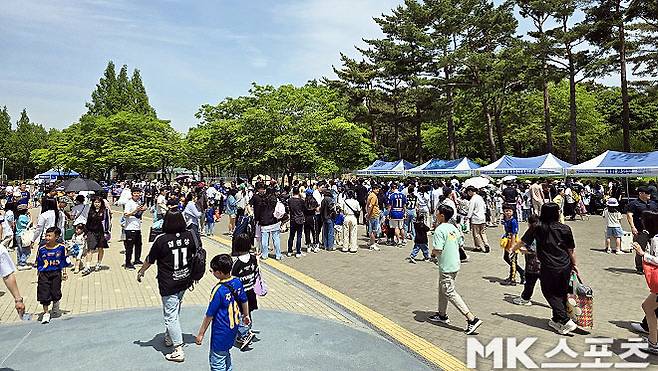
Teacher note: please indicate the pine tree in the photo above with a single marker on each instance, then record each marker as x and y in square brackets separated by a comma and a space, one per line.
[124, 90]
[5, 131]
[140, 100]
[103, 99]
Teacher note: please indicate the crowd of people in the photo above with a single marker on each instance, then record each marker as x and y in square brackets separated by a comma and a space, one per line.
[74, 227]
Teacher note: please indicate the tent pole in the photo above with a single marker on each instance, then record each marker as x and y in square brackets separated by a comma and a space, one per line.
[628, 194]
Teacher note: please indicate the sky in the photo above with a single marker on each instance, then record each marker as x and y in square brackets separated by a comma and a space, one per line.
[189, 53]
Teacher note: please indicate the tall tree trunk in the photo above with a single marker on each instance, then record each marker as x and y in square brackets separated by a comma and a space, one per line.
[572, 113]
[396, 124]
[452, 137]
[499, 130]
[547, 116]
[490, 134]
[419, 138]
[625, 110]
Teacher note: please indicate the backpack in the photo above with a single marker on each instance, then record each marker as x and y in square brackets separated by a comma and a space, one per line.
[279, 210]
[332, 209]
[198, 261]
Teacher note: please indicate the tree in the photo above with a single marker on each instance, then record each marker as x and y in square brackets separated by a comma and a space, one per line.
[646, 29]
[116, 94]
[140, 100]
[27, 137]
[5, 132]
[567, 54]
[540, 11]
[607, 31]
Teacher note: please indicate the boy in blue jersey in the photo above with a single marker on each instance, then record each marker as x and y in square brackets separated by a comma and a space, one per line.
[51, 269]
[397, 202]
[511, 256]
[223, 313]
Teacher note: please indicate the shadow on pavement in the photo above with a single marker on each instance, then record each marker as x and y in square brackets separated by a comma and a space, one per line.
[621, 270]
[422, 316]
[158, 344]
[493, 279]
[540, 323]
[510, 297]
[626, 325]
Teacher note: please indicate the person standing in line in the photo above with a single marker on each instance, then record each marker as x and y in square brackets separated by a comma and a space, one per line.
[310, 207]
[373, 215]
[351, 209]
[477, 209]
[328, 213]
[397, 204]
[22, 223]
[161, 204]
[297, 219]
[634, 218]
[193, 214]
[445, 245]
[132, 212]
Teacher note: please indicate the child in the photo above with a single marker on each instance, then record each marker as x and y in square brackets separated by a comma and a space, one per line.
[338, 226]
[246, 269]
[532, 267]
[78, 246]
[445, 244]
[223, 313]
[511, 255]
[51, 270]
[420, 239]
[613, 228]
[389, 232]
[210, 221]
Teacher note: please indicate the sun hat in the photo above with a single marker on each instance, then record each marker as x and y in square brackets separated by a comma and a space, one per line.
[612, 202]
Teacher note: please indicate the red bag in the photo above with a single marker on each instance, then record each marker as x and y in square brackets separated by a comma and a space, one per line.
[651, 275]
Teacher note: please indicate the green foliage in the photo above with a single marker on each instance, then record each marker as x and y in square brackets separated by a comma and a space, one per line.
[286, 129]
[127, 142]
[116, 94]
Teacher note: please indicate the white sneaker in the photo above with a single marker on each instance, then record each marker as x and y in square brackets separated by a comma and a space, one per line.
[46, 318]
[374, 247]
[637, 327]
[562, 329]
[521, 301]
[176, 356]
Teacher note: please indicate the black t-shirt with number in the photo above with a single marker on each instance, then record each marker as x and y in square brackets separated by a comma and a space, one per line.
[172, 252]
[411, 201]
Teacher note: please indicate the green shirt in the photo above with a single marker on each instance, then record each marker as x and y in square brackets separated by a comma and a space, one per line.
[446, 239]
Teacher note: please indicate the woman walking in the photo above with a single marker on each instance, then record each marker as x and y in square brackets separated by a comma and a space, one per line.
[172, 251]
[98, 228]
[555, 250]
[191, 213]
[50, 217]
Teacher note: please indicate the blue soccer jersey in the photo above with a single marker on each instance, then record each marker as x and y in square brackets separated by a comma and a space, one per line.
[224, 308]
[54, 259]
[397, 201]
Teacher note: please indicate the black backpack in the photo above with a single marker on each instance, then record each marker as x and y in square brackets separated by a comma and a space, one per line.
[198, 261]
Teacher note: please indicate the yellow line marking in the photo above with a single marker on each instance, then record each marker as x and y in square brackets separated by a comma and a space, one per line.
[415, 343]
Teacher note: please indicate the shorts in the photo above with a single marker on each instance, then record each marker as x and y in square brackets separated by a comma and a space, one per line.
[396, 223]
[96, 240]
[49, 287]
[374, 226]
[614, 232]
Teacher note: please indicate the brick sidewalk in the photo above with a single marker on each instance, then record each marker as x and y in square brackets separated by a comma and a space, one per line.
[116, 288]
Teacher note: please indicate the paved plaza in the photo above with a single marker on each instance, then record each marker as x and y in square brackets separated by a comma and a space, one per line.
[374, 296]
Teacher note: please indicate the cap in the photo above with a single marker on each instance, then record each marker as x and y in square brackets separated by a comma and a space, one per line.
[643, 189]
[612, 202]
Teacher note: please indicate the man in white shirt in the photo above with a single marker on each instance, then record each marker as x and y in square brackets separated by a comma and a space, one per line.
[477, 209]
[161, 203]
[132, 211]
